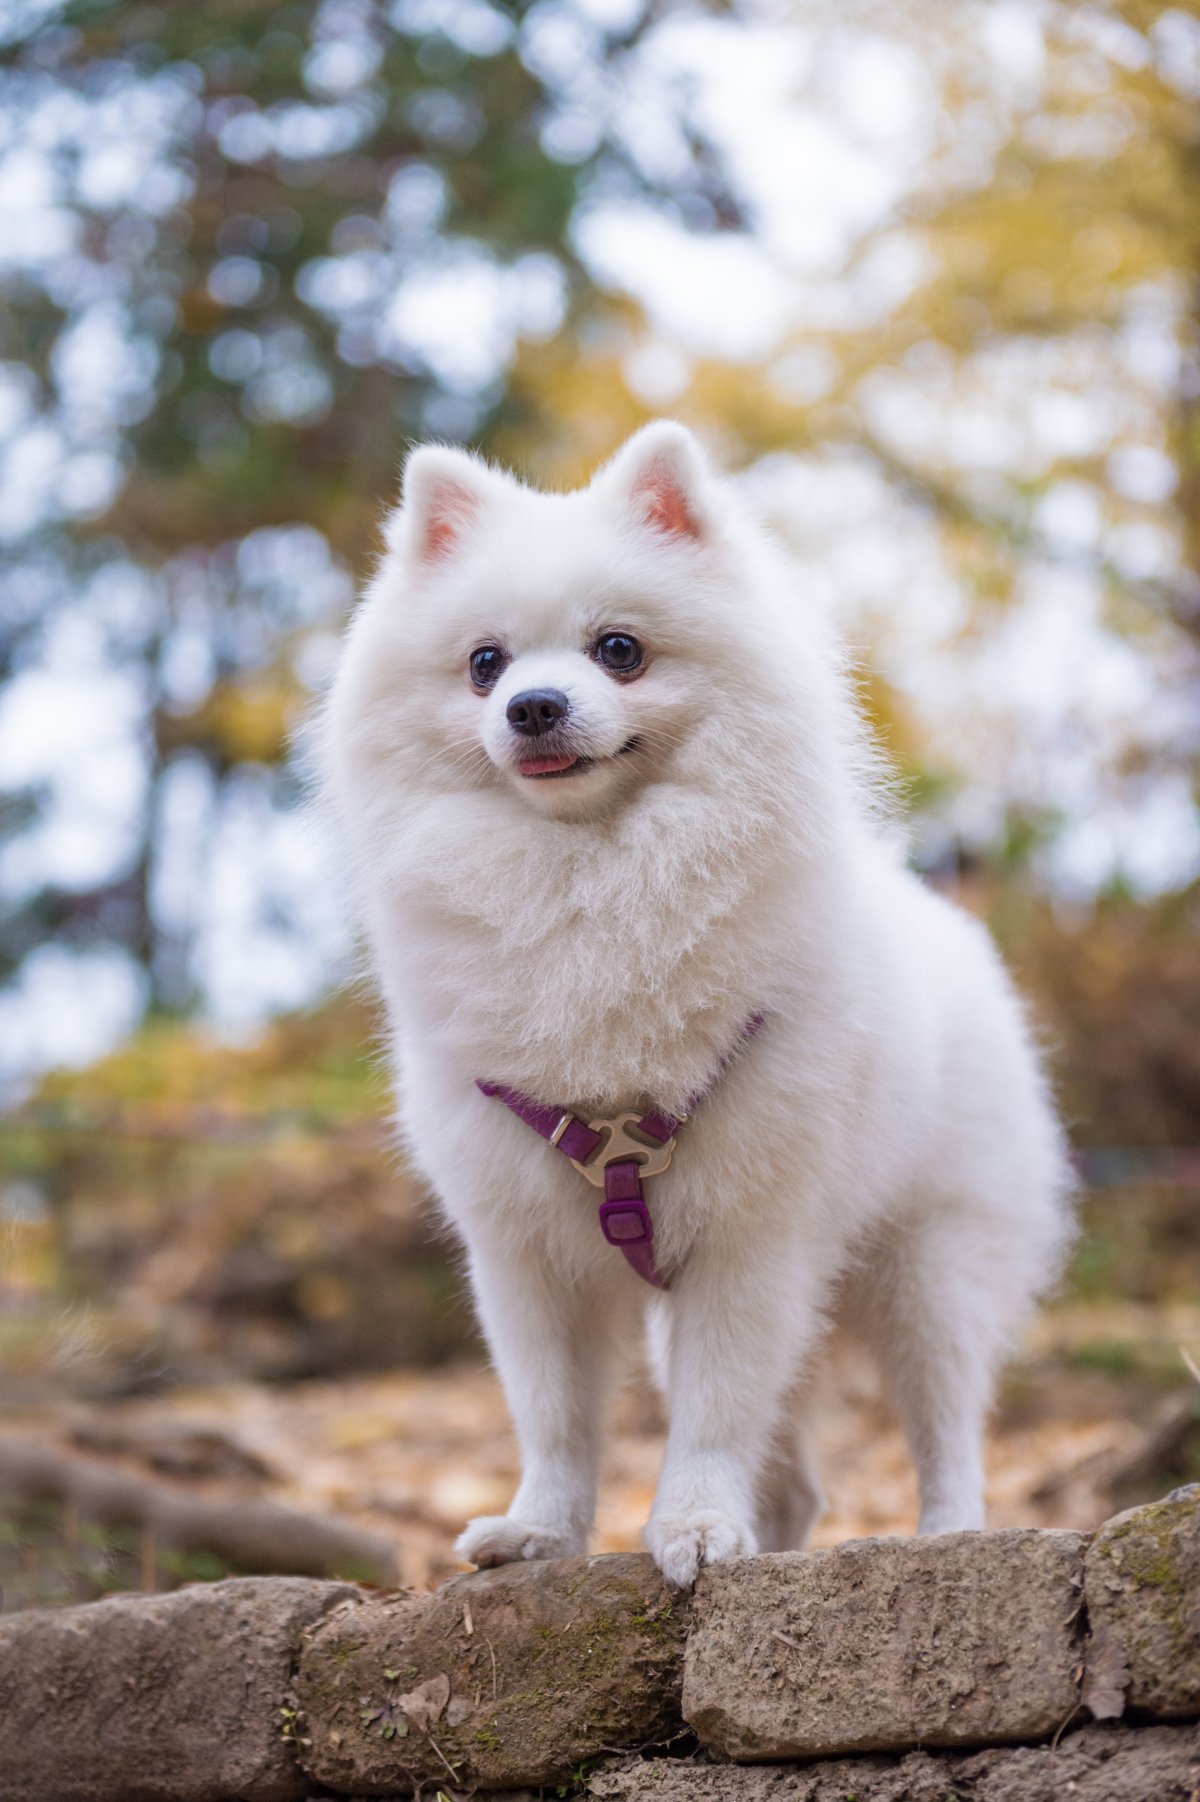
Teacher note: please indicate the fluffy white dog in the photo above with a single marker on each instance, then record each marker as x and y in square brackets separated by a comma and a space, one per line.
[607, 804]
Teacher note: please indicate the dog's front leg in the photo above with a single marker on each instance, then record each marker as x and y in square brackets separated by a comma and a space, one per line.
[742, 1325]
[548, 1342]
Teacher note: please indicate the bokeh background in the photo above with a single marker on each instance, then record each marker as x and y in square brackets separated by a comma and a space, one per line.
[928, 279]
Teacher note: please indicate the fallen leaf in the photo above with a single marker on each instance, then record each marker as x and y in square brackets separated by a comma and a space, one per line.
[424, 1705]
[1106, 1676]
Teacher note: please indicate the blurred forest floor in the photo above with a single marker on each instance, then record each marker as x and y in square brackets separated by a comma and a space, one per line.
[411, 1455]
[219, 1287]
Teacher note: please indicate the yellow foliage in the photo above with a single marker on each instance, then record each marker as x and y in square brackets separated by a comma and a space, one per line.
[250, 720]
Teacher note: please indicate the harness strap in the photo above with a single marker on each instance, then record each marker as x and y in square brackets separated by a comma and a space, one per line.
[625, 1220]
[624, 1215]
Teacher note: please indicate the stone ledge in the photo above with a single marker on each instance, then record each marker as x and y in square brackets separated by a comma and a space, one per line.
[266, 1688]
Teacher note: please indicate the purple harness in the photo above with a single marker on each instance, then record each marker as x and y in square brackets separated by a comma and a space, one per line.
[615, 1154]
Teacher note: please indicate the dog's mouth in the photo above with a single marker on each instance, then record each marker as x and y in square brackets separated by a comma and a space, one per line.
[555, 764]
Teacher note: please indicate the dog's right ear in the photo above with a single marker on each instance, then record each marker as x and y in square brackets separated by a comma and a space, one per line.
[443, 493]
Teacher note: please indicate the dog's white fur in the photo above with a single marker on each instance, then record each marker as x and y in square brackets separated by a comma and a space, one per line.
[884, 1152]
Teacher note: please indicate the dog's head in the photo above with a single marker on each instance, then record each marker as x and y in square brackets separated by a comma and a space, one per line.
[572, 647]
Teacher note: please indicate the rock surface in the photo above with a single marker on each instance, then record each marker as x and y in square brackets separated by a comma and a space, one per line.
[884, 1659]
[503, 1678]
[174, 1698]
[1143, 1592]
[879, 1645]
[1097, 1764]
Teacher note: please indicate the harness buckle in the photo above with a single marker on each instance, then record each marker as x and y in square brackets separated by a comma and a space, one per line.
[622, 1141]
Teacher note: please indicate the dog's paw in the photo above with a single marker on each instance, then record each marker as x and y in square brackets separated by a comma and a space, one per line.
[681, 1544]
[501, 1539]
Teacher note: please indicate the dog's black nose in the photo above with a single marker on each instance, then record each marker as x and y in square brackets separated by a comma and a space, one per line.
[537, 710]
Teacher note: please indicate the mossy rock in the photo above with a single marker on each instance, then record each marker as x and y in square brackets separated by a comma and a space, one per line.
[503, 1678]
[1143, 1597]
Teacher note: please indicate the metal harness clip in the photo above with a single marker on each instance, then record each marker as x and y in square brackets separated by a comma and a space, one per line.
[622, 1140]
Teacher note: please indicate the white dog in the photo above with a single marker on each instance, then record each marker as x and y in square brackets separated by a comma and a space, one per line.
[609, 813]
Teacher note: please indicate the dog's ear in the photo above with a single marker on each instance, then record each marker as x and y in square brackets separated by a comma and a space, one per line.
[662, 477]
[443, 493]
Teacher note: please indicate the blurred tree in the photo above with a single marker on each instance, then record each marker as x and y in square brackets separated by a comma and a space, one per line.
[1034, 388]
[1067, 252]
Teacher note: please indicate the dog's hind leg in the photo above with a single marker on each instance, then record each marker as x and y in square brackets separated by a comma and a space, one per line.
[790, 1498]
[658, 1345]
[925, 1303]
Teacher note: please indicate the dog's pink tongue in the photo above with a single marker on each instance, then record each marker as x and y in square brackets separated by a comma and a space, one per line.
[545, 766]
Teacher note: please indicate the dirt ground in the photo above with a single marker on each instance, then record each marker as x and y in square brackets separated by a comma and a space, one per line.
[414, 1454]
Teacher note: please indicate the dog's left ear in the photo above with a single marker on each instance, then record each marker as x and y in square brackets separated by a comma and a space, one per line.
[663, 478]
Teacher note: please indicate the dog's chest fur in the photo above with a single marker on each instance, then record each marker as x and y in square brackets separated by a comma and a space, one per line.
[584, 964]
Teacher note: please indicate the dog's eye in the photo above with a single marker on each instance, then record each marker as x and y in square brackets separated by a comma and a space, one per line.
[486, 664]
[620, 652]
